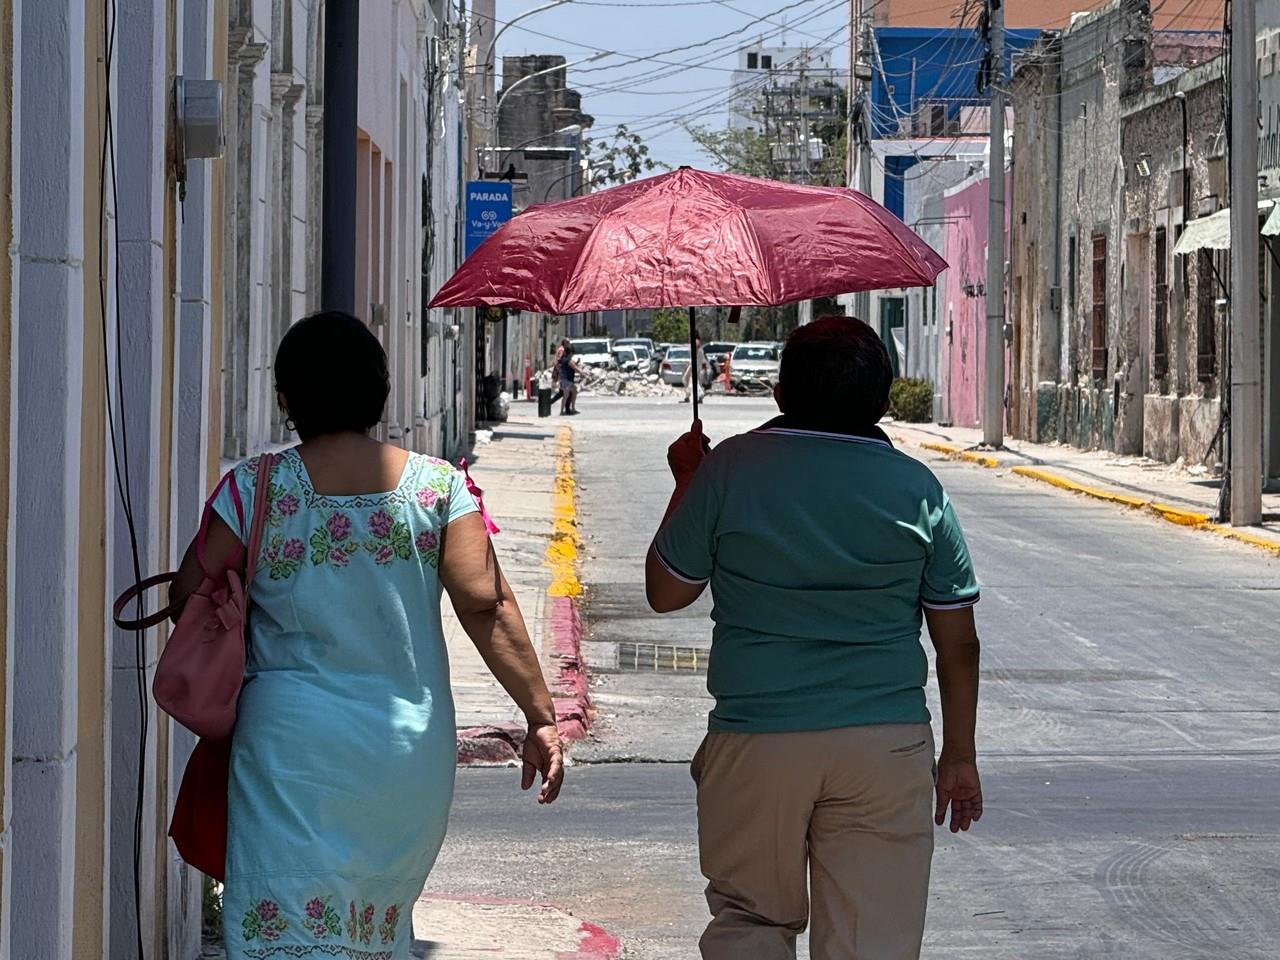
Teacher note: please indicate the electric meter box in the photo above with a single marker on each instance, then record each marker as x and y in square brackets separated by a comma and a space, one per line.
[199, 109]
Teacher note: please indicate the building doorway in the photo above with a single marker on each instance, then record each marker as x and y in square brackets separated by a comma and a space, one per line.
[893, 329]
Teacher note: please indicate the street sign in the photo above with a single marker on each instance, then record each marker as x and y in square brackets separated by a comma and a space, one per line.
[488, 208]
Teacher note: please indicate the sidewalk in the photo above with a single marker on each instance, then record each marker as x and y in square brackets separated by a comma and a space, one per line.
[463, 928]
[525, 468]
[1187, 497]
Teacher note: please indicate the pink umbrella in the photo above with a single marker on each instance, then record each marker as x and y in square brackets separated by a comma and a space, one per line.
[691, 238]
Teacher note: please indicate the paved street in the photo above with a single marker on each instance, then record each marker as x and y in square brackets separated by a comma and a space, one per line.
[1127, 730]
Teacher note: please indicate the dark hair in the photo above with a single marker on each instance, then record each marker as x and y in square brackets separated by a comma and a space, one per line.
[332, 372]
[835, 374]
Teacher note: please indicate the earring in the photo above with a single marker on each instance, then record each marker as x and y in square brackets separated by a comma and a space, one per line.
[290, 425]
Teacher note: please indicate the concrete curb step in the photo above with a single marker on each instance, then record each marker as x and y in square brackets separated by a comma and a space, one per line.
[501, 743]
[462, 928]
[1176, 515]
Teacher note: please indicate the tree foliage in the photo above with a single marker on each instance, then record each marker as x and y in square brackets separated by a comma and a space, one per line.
[619, 157]
[670, 325]
[744, 152]
[749, 152]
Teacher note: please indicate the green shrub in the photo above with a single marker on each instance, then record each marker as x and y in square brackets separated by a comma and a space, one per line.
[911, 400]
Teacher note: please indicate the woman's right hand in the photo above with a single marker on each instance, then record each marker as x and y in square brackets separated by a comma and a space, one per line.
[543, 755]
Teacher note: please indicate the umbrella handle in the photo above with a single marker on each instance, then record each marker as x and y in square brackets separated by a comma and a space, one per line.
[696, 373]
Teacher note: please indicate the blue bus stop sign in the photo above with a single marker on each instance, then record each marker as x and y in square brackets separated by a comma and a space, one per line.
[488, 208]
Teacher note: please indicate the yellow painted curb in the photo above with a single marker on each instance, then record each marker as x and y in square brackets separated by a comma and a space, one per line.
[562, 551]
[1252, 539]
[1044, 476]
[991, 463]
[1183, 518]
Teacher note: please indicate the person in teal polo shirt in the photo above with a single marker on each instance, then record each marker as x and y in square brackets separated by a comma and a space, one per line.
[825, 549]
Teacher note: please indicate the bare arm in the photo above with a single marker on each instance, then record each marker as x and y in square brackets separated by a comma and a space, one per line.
[665, 591]
[222, 549]
[955, 640]
[487, 610]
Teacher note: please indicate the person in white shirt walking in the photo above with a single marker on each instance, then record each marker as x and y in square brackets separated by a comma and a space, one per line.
[698, 360]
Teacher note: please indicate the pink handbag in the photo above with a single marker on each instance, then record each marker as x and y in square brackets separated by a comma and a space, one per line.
[201, 670]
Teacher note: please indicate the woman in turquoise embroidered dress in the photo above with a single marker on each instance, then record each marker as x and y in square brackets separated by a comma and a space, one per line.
[344, 751]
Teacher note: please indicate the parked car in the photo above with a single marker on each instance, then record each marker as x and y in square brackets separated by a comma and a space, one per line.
[636, 342]
[716, 354]
[648, 359]
[646, 351]
[628, 359]
[753, 367]
[593, 352]
[674, 365]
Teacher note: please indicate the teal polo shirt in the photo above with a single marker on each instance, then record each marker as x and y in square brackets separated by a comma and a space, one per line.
[822, 549]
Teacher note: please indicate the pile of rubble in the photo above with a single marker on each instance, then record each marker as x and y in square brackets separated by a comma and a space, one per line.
[617, 383]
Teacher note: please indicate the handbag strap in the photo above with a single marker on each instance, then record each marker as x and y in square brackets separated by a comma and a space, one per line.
[261, 502]
[144, 623]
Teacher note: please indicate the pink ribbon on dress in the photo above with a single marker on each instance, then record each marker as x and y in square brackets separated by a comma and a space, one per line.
[478, 495]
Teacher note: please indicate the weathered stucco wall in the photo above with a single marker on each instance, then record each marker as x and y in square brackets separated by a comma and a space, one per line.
[1152, 137]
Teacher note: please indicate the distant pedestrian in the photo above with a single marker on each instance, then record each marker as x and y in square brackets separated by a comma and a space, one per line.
[698, 366]
[343, 760]
[824, 548]
[567, 372]
[561, 347]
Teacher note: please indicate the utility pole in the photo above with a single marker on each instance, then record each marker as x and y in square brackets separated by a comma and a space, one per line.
[859, 136]
[850, 160]
[338, 196]
[993, 387]
[1245, 412]
[804, 118]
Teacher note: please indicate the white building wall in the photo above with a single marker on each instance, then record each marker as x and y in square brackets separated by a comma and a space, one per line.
[48, 177]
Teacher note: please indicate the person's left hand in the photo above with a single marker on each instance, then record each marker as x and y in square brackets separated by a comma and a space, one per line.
[543, 754]
[686, 454]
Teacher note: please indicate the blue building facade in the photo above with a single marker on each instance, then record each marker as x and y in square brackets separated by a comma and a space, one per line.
[923, 80]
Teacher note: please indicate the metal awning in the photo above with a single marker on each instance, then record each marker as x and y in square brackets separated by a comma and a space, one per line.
[1214, 231]
[1272, 227]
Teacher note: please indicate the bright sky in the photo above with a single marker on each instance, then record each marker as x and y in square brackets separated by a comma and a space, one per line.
[685, 73]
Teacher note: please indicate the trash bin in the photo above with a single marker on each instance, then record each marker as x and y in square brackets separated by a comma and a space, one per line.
[544, 401]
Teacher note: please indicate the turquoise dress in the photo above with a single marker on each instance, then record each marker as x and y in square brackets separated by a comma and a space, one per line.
[343, 759]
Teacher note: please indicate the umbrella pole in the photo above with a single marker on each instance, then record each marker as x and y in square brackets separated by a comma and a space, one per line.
[693, 359]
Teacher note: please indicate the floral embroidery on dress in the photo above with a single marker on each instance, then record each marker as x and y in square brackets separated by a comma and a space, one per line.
[389, 538]
[282, 557]
[435, 495]
[428, 544]
[264, 922]
[283, 504]
[390, 919]
[321, 919]
[332, 542]
[360, 925]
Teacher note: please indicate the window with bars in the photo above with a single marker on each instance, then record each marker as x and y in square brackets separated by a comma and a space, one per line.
[1160, 355]
[1206, 318]
[1099, 342]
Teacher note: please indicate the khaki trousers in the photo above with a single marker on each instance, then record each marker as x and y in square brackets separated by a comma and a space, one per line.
[844, 815]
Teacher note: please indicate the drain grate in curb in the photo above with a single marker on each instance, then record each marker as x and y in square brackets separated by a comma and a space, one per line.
[658, 658]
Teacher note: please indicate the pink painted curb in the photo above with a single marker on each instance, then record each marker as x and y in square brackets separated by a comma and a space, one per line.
[570, 689]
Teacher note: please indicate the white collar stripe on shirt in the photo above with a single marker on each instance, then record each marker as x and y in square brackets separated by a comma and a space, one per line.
[852, 438]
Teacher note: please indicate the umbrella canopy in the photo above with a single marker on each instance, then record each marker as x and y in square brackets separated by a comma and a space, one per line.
[692, 238]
